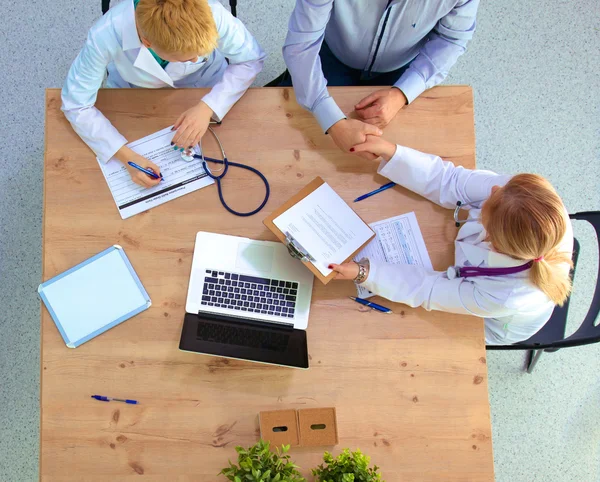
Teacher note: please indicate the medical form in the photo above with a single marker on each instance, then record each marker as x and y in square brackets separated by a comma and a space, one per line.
[398, 240]
[180, 177]
[325, 226]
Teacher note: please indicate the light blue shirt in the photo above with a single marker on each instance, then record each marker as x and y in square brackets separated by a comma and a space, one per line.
[429, 35]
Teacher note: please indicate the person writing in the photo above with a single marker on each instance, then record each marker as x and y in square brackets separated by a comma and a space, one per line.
[154, 44]
[410, 46]
[513, 253]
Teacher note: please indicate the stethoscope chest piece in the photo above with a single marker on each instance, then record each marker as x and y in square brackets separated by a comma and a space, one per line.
[188, 155]
[452, 272]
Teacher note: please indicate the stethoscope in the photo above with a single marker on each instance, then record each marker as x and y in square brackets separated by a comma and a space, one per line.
[458, 222]
[471, 271]
[189, 155]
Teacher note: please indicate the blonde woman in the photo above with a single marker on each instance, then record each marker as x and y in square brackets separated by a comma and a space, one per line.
[513, 253]
[154, 44]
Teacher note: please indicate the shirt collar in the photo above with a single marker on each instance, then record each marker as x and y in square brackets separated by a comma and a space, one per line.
[482, 254]
[131, 40]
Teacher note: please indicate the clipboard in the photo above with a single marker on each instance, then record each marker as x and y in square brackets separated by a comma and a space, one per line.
[294, 248]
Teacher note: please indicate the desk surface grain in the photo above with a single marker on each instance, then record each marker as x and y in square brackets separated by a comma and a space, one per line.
[410, 389]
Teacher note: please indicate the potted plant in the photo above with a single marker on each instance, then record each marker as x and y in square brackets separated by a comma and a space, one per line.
[259, 464]
[347, 467]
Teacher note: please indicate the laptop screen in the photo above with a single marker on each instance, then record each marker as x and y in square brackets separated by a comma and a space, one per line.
[232, 337]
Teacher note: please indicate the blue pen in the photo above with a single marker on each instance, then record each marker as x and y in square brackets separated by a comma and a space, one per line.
[371, 305]
[372, 193]
[108, 399]
[152, 174]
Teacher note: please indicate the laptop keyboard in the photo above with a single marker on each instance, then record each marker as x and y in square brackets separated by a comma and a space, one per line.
[240, 336]
[249, 293]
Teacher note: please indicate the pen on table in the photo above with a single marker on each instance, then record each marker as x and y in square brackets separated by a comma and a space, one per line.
[372, 193]
[108, 399]
[152, 174]
[371, 305]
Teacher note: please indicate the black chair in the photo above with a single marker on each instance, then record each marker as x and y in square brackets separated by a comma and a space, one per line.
[552, 335]
[276, 81]
[232, 5]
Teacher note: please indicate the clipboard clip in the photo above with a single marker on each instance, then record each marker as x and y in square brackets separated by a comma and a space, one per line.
[296, 250]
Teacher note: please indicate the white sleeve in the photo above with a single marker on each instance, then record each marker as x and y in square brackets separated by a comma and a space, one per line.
[79, 96]
[416, 286]
[439, 181]
[245, 57]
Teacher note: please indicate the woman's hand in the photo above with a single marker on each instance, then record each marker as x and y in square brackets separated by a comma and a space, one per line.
[346, 271]
[191, 126]
[376, 146]
[347, 132]
[126, 155]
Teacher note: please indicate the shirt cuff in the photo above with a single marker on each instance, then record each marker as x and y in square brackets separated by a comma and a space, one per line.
[371, 282]
[387, 167]
[328, 113]
[212, 101]
[411, 84]
[106, 153]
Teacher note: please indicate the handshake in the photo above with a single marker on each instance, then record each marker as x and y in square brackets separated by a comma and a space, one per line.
[362, 139]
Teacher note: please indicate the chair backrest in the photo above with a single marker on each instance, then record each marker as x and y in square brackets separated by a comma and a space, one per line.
[587, 333]
[552, 334]
[232, 6]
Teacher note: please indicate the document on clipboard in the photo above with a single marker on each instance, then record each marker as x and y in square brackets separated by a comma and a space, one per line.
[319, 228]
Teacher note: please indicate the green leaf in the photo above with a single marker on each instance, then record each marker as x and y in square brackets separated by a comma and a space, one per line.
[346, 467]
[258, 464]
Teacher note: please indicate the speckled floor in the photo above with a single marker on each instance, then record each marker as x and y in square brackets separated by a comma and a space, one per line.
[534, 67]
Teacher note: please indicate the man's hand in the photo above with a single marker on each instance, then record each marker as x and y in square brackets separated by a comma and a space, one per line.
[191, 126]
[125, 155]
[377, 147]
[349, 132]
[381, 106]
[346, 271]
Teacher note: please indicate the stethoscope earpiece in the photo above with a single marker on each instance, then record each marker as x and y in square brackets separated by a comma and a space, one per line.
[458, 222]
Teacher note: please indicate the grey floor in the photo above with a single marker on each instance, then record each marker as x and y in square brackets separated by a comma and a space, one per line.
[534, 67]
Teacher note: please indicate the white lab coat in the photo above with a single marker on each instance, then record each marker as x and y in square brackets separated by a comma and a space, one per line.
[513, 308]
[113, 44]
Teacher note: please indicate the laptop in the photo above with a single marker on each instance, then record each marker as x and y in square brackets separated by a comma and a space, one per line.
[248, 300]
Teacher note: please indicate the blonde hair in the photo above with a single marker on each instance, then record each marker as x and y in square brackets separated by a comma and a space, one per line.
[178, 26]
[526, 220]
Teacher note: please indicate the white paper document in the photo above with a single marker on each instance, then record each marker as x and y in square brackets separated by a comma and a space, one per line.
[398, 240]
[180, 177]
[325, 226]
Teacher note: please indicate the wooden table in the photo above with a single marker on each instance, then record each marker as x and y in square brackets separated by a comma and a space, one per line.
[410, 389]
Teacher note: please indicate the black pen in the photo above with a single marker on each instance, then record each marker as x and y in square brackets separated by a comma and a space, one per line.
[373, 306]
